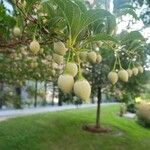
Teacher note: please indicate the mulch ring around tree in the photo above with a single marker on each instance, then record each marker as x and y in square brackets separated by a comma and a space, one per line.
[93, 129]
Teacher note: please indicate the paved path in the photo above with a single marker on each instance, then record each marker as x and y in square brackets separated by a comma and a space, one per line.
[6, 114]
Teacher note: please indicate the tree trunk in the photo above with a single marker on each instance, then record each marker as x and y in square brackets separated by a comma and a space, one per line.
[45, 90]
[17, 100]
[35, 96]
[93, 78]
[53, 96]
[60, 98]
[45, 87]
[99, 96]
[1, 90]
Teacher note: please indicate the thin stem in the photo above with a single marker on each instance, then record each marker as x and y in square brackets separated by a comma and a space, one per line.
[115, 64]
[119, 62]
[130, 64]
[79, 67]
[68, 58]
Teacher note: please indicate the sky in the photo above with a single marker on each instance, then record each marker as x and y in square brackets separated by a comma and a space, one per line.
[8, 6]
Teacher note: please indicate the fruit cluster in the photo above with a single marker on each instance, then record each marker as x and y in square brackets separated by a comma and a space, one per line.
[66, 81]
[70, 79]
[124, 75]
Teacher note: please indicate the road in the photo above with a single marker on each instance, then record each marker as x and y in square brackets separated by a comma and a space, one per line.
[6, 114]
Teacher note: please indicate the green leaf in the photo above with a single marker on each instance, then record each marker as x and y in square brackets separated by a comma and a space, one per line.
[111, 24]
[81, 5]
[130, 37]
[72, 14]
[136, 35]
[126, 11]
[77, 20]
[101, 37]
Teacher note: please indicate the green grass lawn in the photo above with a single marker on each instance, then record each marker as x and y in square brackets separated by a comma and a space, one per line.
[63, 131]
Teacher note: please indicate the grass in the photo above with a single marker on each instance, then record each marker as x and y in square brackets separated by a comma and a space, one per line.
[63, 131]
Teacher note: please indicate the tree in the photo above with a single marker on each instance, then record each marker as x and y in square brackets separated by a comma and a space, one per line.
[62, 33]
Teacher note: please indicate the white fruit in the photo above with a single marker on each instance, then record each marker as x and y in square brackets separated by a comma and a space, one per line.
[41, 14]
[45, 21]
[60, 48]
[20, 55]
[140, 68]
[82, 89]
[129, 72]
[16, 31]
[65, 83]
[123, 75]
[39, 6]
[113, 77]
[99, 58]
[99, 43]
[58, 58]
[34, 46]
[53, 72]
[55, 65]
[72, 69]
[83, 56]
[92, 56]
[33, 65]
[135, 71]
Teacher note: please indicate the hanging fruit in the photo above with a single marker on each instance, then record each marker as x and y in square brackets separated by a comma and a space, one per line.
[65, 83]
[60, 48]
[129, 72]
[92, 56]
[82, 89]
[135, 71]
[99, 58]
[123, 75]
[34, 46]
[113, 77]
[58, 58]
[72, 69]
[17, 31]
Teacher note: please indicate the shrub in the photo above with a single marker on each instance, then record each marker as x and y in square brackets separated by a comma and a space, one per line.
[128, 99]
[131, 107]
[143, 113]
[77, 101]
[123, 109]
